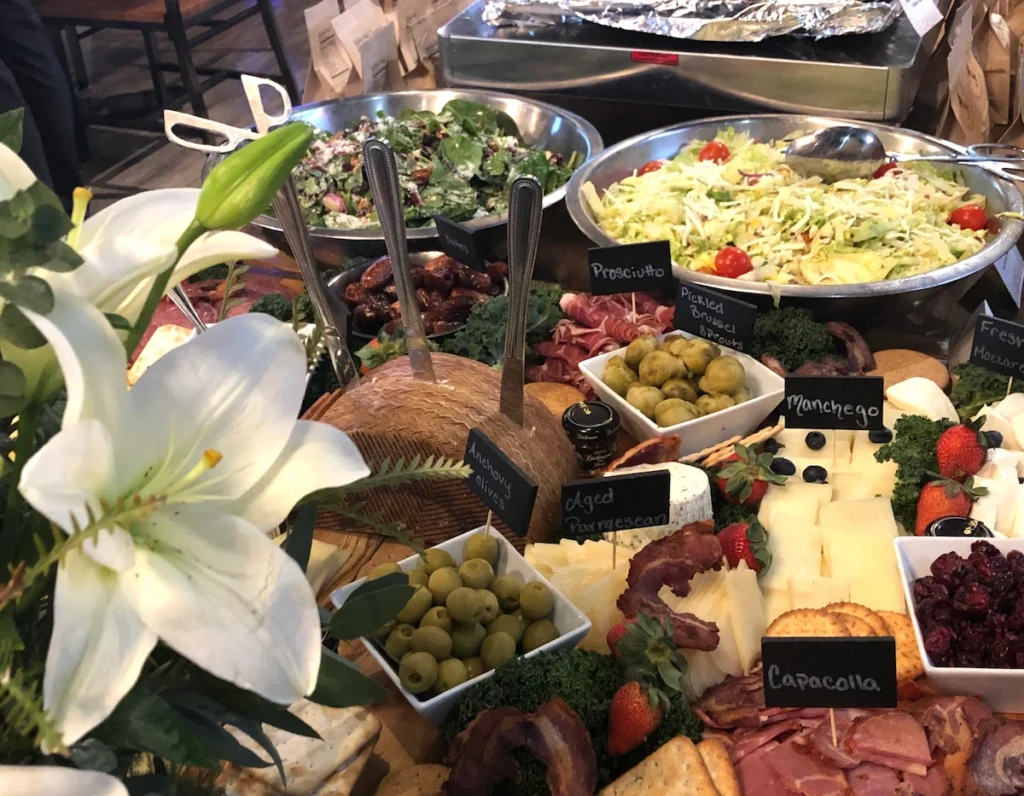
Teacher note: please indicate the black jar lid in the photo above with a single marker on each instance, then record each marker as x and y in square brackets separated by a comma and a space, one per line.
[590, 421]
[958, 526]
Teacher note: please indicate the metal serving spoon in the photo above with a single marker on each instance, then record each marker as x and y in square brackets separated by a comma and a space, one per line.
[842, 153]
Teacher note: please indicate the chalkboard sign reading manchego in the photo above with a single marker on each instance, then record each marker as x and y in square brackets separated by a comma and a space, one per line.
[615, 503]
[846, 402]
[499, 482]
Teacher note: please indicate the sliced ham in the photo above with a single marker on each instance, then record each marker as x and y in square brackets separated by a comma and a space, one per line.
[804, 773]
[951, 722]
[820, 741]
[755, 777]
[868, 779]
[935, 783]
[893, 738]
[748, 741]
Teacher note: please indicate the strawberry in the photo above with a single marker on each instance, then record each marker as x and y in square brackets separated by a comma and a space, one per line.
[945, 498]
[746, 541]
[635, 712]
[617, 632]
[744, 477]
[960, 451]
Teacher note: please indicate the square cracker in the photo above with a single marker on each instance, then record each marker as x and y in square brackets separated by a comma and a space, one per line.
[807, 623]
[861, 612]
[909, 665]
[716, 760]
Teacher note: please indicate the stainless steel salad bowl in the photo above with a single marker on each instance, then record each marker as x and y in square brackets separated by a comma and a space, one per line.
[540, 124]
[857, 301]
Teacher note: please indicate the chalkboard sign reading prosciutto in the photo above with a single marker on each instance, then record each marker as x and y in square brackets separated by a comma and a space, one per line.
[714, 316]
[829, 672]
[632, 267]
[999, 345]
[499, 482]
[615, 503]
[847, 402]
[458, 243]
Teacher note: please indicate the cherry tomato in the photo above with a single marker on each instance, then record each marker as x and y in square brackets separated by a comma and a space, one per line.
[969, 217]
[732, 262]
[884, 169]
[649, 166]
[714, 150]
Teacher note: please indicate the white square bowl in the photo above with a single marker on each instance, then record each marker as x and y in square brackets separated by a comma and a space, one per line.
[1001, 689]
[571, 623]
[768, 389]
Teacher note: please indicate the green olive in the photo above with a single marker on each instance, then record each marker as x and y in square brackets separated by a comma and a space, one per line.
[491, 607]
[506, 589]
[538, 633]
[658, 367]
[438, 616]
[418, 577]
[723, 375]
[433, 640]
[399, 641]
[638, 349]
[465, 605]
[466, 640]
[697, 356]
[418, 672]
[684, 389]
[383, 569]
[644, 399]
[450, 673]
[619, 380]
[382, 632]
[506, 623]
[673, 411]
[497, 649]
[536, 600]
[474, 666]
[443, 582]
[417, 606]
[713, 402]
[481, 545]
[435, 558]
[476, 573]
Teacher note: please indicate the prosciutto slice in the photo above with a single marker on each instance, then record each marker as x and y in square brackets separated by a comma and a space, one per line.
[573, 354]
[893, 738]
[801, 772]
[578, 307]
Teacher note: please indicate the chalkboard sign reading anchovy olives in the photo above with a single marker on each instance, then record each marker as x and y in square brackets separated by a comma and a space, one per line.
[614, 503]
[499, 482]
[999, 345]
[714, 316]
[829, 672]
[847, 402]
[632, 267]
[459, 243]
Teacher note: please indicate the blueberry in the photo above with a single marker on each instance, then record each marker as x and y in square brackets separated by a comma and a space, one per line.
[994, 438]
[815, 440]
[880, 436]
[815, 474]
[783, 466]
[771, 446]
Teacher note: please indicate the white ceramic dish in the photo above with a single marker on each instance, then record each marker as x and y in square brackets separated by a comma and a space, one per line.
[571, 623]
[1001, 689]
[768, 389]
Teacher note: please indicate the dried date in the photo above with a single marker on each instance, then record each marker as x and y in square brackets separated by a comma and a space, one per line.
[476, 295]
[355, 294]
[377, 275]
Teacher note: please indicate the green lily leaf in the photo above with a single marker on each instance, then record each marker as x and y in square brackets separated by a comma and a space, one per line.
[340, 684]
[118, 322]
[93, 755]
[249, 704]
[300, 537]
[372, 605]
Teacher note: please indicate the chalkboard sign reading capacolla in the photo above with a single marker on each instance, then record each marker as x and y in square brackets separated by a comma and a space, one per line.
[714, 316]
[844, 402]
[615, 503]
[999, 345]
[631, 267]
[499, 482]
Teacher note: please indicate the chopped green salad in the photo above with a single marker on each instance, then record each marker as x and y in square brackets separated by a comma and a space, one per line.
[737, 192]
[457, 163]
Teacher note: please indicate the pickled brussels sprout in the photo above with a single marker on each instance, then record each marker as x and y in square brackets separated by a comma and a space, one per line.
[644, 399]
[619, 380]
[658, 367]
[674, 410]
[723, 375]
[616, 362]
[680, 388]
[711, 403]
[638, 349]
[742, 395]
[697, 356]
[668, 342]
[680, 346]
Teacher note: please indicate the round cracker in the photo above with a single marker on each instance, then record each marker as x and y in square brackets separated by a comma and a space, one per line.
[861, 612]
[422, 780]
[807, 623]
[909, 665]
[856, 625]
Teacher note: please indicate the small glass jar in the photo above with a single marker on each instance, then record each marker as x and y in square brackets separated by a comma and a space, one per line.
[592, 428]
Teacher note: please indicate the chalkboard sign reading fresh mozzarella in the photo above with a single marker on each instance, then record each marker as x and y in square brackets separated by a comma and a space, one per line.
[999, 345]
[847, 402]
[714, 316]
[632, 267]
[499, 482]
[829, 672]
[458, 243]
[615, 503]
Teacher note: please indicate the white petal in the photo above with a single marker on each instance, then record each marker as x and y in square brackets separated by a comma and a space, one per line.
[91, 358]
[317, 456]
[73, 469]
[155, 216]
[97, 648]
[112, 548]
[58, 781]
[236, 389]
[219, 592]
[15, 175]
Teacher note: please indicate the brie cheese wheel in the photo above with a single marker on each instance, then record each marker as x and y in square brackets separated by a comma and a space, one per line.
[921, 396]
[1011, 405]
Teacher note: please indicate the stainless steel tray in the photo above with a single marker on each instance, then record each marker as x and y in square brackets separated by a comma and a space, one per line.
[541, 125]
[865, 299]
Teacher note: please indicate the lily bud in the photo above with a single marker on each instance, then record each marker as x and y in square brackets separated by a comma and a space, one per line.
[243, 185]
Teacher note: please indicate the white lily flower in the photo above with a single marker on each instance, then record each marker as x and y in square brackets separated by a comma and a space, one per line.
[208, 443]
[58, 781]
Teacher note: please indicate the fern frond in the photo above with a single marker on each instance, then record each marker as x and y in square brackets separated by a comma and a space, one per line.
[398, 472]
[21, 706]
[375, 522]
[234, 284]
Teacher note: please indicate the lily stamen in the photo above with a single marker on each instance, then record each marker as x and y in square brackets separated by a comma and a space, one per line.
[80, 199]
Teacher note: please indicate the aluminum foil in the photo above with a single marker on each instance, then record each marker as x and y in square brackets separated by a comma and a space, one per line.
[707, 20]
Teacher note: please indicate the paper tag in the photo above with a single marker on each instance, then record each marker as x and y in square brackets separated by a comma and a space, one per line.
[923, 15]
[999, 346]
[330, 62]
[846, 402]
[615, 503]
[424, 23]
[499, 482]
[829, 672]
[355, 25]
[714, 316]
[409, 13]
[375, 52]
[632, 267]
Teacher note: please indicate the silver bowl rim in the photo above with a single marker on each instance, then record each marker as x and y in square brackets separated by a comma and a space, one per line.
[590, 134]
[1009, 230]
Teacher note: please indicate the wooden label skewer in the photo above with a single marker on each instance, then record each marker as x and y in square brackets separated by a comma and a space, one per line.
[634, 306]
[487, 526]
[1009, 385]
[615, 547]
[832, 721]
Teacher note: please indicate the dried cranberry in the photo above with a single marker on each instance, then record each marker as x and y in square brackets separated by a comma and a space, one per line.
[985, 572]
[1001, 653]
[1016, 559]
[972, 600]
[939, 645]
[1018, 659]
[948, 569]
[923, 588]
[986, 548]
[1015, 621]
[967, 658]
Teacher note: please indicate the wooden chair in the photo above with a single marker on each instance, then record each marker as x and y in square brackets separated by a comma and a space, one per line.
[80, 18]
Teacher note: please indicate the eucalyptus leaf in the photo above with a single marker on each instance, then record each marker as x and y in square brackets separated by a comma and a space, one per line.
[300, 538]
[12, 389]
[11, 126]
[16, 328]
[40, 194]
[49, 224]
[94, 755]
[62, 258]
[29, 292]
[340, 684]
[371, 606]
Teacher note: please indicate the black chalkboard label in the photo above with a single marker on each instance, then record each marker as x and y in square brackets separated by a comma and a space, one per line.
[499, 482]
[829, 672]
[999, 345]
[634, 266]
[459, 243]
[848, 402]
[714, 316]
[615, 503]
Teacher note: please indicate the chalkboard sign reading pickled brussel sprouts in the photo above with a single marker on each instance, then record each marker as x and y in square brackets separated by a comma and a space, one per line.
[631, 267]
[714, 316]
[499, 482]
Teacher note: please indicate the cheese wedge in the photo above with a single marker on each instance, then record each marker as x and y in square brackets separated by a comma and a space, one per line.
[817, 592]
[1011, 405]
[776, 602]
[802, 498]
[1001, 467]
[921, 396]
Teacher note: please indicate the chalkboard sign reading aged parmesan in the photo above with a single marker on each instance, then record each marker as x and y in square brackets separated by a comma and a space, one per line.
[999, 345]
[847, 402]
[458, 243]
[499, 482]
[615, 503]
[829, 672]
[714, 316]
[632, 267]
